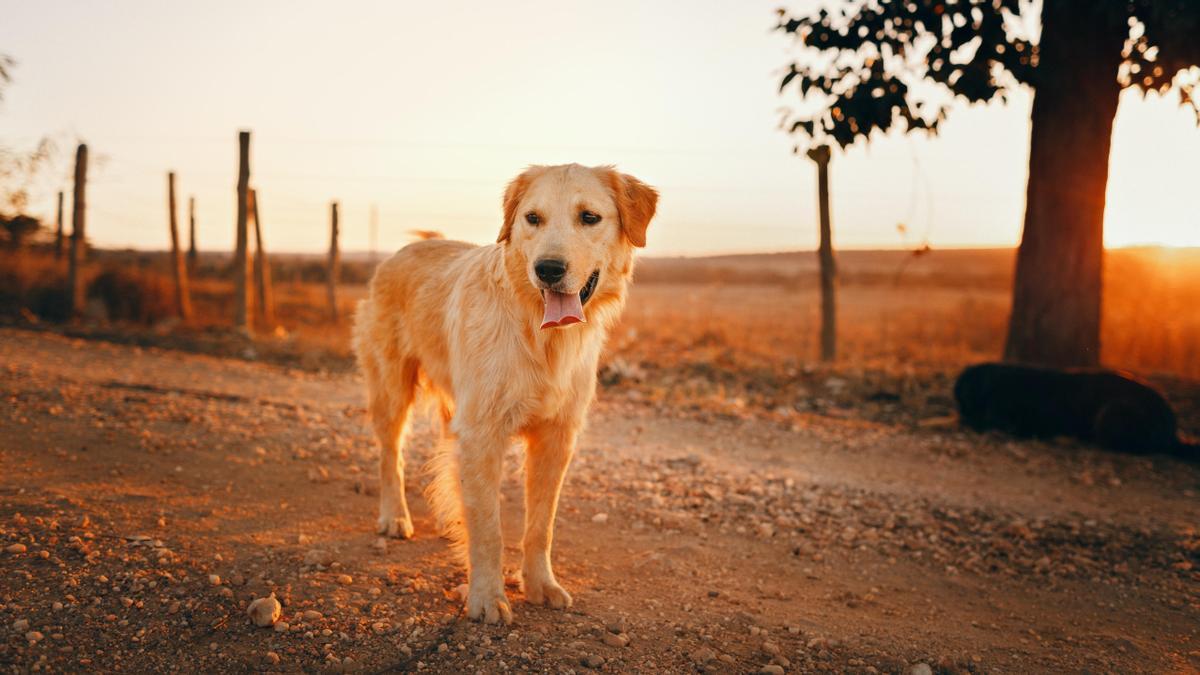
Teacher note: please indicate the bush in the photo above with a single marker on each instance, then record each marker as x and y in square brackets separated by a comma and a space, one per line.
[33, 282]
[132, 294]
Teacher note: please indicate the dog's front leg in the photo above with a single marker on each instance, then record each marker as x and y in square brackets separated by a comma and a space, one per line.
[480, 463]
[548, 452]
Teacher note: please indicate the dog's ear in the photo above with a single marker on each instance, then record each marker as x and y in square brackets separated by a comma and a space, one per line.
[636, 203]
[512, 199]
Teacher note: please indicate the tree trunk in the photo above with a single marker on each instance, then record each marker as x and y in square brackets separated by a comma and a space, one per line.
[183, 299]
[262, 269]
[828, 267]
[193, 255]
[241, 287]
[1057, 288]
[335, 262]
[78, 232]
[58, 229]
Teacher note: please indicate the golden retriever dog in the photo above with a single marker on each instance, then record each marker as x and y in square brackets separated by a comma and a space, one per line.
[504, 340]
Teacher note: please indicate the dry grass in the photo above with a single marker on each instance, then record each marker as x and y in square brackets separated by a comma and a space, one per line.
[757, 314]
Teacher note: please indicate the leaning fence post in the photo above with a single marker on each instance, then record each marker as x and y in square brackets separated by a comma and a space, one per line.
[183, 299]
[262, 269]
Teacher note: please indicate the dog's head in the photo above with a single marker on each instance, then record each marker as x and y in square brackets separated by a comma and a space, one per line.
[572, 229]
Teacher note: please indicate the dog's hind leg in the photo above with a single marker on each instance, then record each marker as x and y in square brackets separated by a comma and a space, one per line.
[549, 446]
[390, 404]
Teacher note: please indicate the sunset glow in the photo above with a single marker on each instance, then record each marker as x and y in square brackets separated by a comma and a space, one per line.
[409, 119]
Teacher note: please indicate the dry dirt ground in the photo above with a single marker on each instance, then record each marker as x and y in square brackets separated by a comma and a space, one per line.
[147, 496]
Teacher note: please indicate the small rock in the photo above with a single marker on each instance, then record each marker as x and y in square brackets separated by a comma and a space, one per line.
[214, 579]
[771, 669]
[272, 657]
[345, 579]
[282, 627]
[20, 625]
[265, 611]
[616, 640]
[600, 518]
[921, 669]
[34, 636]
[15, 548]
[703, 655]
[379, 627]
[312, 615]
[592, 660]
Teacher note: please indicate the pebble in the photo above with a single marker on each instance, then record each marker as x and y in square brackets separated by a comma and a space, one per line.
[282, 627]
[15, 548]
[616, 640]
[771, 669]
[265, 611]
[921, 669]
[272, 657]
[345, 579]
[703, 655]
[592, 660]
[312, 615]
[20, 625]
[600, 518]
[34, 636]
[214, 579]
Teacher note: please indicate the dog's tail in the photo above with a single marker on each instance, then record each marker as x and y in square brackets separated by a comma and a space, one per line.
[444, 493]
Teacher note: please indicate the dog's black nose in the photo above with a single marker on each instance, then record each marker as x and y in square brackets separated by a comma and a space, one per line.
[550, 270]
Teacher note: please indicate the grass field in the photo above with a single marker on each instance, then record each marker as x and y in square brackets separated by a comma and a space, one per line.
[896, 311]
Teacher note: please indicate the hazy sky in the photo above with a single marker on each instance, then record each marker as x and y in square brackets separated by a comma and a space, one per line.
[427, 109]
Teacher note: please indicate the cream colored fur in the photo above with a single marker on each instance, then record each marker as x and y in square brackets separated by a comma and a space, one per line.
[458, 325]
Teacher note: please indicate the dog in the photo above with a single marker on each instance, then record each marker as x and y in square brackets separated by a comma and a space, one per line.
[504, 340]
[1109, 408]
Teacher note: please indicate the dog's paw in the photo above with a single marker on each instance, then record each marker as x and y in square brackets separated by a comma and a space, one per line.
[400, 527]
[544, 590]
[488, 605]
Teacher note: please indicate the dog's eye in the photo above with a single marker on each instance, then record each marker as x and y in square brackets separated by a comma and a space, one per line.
[533, 218]
[589, 218]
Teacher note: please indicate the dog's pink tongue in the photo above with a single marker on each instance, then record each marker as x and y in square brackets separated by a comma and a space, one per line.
[562, 309]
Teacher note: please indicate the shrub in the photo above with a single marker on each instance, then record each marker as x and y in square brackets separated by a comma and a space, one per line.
[132, 294]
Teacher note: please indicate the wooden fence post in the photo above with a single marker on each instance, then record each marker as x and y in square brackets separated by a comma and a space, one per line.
[262, 269]
[193, 256]
[183, 299]
[335, 262]
[78, 232]
[58, 229]
[820, 155]
[241, 301]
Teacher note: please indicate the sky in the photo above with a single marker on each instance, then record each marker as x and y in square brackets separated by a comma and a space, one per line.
[426, 110]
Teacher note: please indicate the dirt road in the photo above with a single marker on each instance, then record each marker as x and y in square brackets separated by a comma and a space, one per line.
[147, 496]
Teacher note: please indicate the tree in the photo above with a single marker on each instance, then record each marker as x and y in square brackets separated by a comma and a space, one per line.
[875, 65]
[19, 228]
